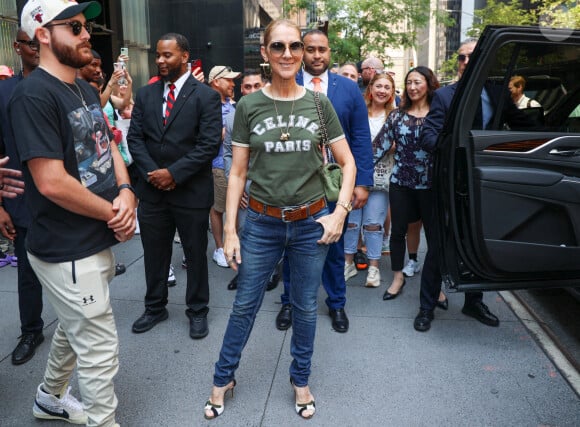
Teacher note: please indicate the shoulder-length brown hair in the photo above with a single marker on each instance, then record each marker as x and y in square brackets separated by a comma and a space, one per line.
[432, 86]
[390, 105]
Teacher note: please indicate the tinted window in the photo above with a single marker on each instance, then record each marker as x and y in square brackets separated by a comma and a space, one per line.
[550, 100]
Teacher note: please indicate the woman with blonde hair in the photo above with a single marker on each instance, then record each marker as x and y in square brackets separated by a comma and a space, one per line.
[276, 143]
[380, 100]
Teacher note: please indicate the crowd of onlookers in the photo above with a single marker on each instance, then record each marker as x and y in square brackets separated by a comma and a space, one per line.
[189, 154]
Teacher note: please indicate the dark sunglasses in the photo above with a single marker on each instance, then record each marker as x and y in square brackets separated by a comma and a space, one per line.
[76, 26]
[462, 58]
[32, 44]
[224, 70]
[279, 47]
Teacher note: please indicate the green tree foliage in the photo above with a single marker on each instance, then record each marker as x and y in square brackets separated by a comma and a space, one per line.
[361, 27]
[559, 14]
[551, 13]
[501, 13]
[448, 70]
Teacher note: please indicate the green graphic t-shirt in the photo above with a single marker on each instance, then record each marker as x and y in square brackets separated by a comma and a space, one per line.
[284, 173]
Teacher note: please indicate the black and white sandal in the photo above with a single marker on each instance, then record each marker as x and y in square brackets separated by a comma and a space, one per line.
[301, 407]
[217, 410]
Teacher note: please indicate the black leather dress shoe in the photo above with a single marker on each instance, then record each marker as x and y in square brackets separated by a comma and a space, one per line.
[284, 318]
[389, 296]
[148, 320]
[120, 269]
[25, 348]
[443, 305]
[480, 311]
[339, 319]
[233, 285]
[423, 320]
[198, 327]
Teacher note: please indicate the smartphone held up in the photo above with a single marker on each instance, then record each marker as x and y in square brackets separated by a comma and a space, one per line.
[194, 65]
[121, 64]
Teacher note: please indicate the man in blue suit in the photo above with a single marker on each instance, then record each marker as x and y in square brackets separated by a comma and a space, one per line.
[350, 107]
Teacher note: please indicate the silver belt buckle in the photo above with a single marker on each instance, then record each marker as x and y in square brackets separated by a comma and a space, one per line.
[284, 211]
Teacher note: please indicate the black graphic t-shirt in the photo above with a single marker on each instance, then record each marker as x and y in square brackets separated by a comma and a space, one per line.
[53, 120]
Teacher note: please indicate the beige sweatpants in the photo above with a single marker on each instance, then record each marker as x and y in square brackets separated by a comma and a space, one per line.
[86, 334]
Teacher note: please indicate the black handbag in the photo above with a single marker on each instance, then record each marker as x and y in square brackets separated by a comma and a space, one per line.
[330, 173]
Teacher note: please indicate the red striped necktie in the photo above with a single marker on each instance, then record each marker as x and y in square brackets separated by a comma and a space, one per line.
[170, 102]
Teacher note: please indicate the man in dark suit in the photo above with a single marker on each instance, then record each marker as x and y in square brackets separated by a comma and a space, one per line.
[350, 107]
[175, 133]
[431, 276]
[15, 217]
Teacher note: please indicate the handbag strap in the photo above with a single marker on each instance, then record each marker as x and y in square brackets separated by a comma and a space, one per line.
[377, 141]
[326, 154]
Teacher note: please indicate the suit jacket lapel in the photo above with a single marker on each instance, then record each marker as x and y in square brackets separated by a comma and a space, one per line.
[160, 85]
[184, 93]
[331, 85]
[300, 77]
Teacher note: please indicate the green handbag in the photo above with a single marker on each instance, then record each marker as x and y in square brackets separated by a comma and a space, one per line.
[330, 173]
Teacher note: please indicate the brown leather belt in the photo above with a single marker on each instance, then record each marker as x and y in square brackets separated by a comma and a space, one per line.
[289, 214]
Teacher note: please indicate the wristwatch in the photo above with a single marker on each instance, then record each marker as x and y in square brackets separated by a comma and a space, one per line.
[346, 205]
[128, 186]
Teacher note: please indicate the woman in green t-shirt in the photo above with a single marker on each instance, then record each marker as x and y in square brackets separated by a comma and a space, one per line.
[275, 143]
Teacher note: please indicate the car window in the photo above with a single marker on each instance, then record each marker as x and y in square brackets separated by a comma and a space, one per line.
[534, 87]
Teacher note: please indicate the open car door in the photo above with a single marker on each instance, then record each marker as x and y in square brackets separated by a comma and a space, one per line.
[508, 191]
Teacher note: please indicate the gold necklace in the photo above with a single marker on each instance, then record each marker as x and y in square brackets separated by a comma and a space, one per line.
[284, 136]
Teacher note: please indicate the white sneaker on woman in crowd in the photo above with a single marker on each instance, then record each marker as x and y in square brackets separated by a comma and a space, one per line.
[373, 277]
[349, 271]
[220, 258]
[411, 268]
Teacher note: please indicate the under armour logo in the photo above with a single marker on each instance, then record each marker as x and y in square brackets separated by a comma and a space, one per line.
[89, 300]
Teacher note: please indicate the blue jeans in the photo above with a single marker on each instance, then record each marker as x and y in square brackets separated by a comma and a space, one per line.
[263, 241]
[332, 273]
[373, 213]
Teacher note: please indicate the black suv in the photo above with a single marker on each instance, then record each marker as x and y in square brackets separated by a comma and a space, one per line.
[509, 196]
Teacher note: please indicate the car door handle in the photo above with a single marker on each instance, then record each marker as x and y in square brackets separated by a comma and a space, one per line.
[565, 153]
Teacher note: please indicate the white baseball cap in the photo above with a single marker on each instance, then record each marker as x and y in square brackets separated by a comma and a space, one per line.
[38, 13]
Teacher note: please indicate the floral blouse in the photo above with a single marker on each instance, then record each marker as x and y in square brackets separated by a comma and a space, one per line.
[413, 165]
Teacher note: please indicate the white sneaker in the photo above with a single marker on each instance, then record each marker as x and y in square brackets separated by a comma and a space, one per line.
[349, 271]
[49, 407]
[373, 277]
[171, 277]
[385, 248]
[411, 268]
[220, 258]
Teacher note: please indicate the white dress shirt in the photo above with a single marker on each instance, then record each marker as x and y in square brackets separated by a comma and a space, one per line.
[178, 85]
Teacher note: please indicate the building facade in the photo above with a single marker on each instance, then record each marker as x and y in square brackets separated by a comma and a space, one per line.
[220, 32]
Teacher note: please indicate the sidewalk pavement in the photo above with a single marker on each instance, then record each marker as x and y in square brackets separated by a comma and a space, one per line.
[381, 373]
